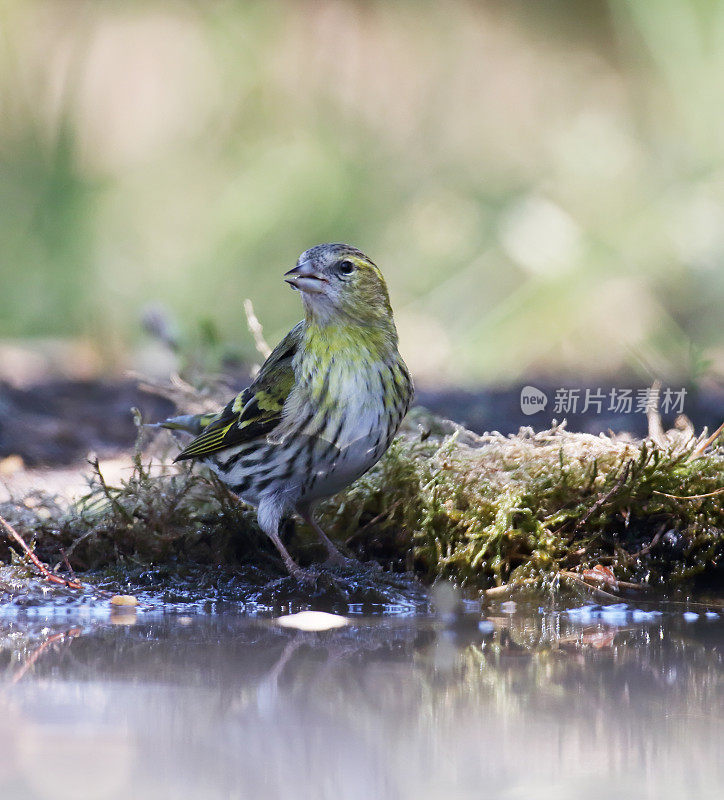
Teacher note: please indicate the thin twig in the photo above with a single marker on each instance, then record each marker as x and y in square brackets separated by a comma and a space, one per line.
[636, 587]
[602, 500]
[256, 330]
[690, 496]
[44, 571]
[373, 521]
[66, 562]
[108, 493]
[508, 588]
[699, 450]
[656, 429]
[594, 590]
[78, 540]
[650, 546]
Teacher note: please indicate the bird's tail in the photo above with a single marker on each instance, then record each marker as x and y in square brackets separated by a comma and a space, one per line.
[192, 423]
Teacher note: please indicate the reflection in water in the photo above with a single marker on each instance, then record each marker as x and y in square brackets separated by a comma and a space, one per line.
[551, 705]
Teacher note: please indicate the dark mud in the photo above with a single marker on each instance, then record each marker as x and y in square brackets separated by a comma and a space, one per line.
[191, 588]
[500, 409]
[58, 422]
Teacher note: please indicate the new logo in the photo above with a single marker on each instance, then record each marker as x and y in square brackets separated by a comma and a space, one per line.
[532, 400]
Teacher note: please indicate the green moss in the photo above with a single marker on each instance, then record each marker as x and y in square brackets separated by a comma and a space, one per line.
[487, 510]
[483, 511]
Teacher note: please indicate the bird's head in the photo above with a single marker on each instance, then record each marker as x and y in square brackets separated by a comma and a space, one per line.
[339, 283]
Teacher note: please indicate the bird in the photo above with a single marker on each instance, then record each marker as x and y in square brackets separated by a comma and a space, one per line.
[324, 407]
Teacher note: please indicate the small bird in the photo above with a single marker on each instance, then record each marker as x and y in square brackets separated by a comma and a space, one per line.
[324, 406]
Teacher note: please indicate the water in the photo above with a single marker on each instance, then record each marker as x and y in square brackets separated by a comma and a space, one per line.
[541, 702]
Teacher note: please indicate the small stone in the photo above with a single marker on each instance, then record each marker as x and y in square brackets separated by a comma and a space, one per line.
[312, 621]
[690, 616]
[11, 464]
[124, 600]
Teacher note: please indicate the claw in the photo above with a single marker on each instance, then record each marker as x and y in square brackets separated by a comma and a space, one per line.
[306, 577]
[339, 560]
[345, 562]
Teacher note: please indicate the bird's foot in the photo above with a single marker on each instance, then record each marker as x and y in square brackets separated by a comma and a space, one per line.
[323, 582]
[338, 559]
[305, 577]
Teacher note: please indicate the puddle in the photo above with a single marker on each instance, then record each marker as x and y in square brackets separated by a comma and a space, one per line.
[539, 701]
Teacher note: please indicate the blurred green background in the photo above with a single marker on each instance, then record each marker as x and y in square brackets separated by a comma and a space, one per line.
[541, 182]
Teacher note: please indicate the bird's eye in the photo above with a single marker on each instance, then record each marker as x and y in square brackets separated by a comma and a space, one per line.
[346, 267]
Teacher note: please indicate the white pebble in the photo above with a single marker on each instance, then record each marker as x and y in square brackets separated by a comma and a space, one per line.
[124, 600]
[690, 616]
[312, 621]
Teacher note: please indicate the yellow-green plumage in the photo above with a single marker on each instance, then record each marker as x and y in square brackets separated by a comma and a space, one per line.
[326, 403]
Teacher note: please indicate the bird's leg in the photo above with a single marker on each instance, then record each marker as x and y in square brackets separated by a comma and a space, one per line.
[334, 554]
[289, 562]
[269, 516]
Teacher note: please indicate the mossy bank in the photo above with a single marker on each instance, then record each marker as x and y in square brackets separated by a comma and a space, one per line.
[483, 511]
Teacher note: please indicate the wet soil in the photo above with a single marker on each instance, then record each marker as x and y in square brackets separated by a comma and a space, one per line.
[500, 409]
[58, 423]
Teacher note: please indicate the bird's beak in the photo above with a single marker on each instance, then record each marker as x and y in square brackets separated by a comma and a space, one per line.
[305, 278]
